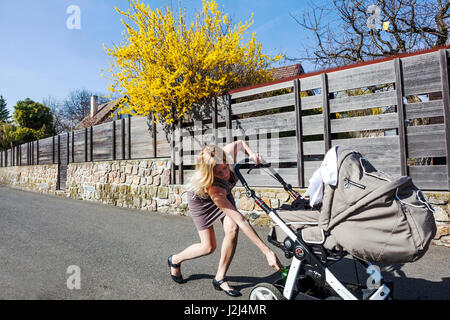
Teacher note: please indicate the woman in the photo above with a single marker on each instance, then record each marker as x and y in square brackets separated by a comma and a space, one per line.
[210, 199]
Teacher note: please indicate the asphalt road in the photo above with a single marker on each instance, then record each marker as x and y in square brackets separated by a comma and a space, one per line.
[122, 254]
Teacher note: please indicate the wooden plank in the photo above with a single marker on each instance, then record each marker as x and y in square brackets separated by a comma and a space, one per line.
[426, 109]
[383, 152]
[365, 101]
[268, 88]
[375, 122]
[272, 122]
[298, 133]
[280, 101]
[401, 116]
[277, 150]
[222, 104]
[141, 138]
[427, 145]
[360, 77]
[312, 125]
[228, 119]
[79, 146]
[122, 127]
[102, 142]
[163, 146]
[421, 74]
[312, 102]
[311, 82]
[313, 148]
[443, 63]
[429, 177]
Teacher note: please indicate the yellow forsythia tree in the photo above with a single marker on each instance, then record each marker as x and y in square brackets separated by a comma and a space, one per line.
[168, 66]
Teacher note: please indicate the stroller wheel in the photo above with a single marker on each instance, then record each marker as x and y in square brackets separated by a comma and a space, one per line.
[266, 291]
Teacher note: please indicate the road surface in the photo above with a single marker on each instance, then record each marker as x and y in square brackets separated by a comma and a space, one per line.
[122, 254]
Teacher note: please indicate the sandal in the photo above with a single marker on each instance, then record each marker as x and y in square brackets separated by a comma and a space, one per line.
[177, 279]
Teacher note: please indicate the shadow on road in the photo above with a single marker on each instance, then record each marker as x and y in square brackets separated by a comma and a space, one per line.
[405, 288]
[246, 281]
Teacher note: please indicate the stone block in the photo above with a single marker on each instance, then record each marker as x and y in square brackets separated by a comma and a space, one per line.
[128, 168]
[246, 204]
[163, 192]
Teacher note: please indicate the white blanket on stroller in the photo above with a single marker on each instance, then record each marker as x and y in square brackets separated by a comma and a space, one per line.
[327, 173]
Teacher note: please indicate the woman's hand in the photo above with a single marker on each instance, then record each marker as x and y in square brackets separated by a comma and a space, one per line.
[273, 261]
[256, 157]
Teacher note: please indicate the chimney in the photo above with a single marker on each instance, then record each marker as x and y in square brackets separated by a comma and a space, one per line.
[94, 105]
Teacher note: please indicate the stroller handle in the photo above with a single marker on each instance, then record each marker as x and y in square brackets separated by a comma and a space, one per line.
[272, 172]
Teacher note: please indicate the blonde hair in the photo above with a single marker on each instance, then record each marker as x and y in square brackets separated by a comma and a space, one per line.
[203, 176]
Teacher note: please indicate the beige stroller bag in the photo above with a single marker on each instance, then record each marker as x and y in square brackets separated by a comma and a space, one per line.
[373, 216]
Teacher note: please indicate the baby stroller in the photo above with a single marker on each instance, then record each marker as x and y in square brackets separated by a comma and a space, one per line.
[368, 215]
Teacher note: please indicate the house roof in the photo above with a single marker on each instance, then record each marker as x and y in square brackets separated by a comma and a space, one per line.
[103, 111]
[287, 71]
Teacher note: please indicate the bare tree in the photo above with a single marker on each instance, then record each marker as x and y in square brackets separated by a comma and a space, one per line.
[77, 105]
[60, 123]
[349, 31]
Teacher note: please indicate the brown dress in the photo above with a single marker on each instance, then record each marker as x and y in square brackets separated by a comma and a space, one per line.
[204, 211]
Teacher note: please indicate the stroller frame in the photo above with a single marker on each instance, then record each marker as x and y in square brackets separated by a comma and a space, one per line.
[312, 261]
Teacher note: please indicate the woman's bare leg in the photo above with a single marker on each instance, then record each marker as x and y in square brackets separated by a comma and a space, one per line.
[206, 246]
[228, 249]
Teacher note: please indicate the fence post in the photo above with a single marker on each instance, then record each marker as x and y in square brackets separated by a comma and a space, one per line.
[73, 146]
[91, 143]
[299, 133]
[401, 116]
[122, 129]
[180, 153]
[85, 144]
[172, 151]
[114, 139]
[58, 179]
[326, 113]
[37, 152]
[53, 149]
[154, 136]
[214, 121]
[445, 100]
[129, 137]
[228, 118]
[67, 148]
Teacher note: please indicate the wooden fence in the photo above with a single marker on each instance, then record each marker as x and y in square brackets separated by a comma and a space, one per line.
[395, 111]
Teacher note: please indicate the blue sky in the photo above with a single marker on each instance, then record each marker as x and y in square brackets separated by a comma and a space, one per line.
[41, 57]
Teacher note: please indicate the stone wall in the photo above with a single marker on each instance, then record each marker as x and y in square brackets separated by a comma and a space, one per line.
[40, 178]
[140, 184]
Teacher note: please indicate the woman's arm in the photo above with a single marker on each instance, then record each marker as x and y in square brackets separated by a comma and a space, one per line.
[233, 149]
[219, 197]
